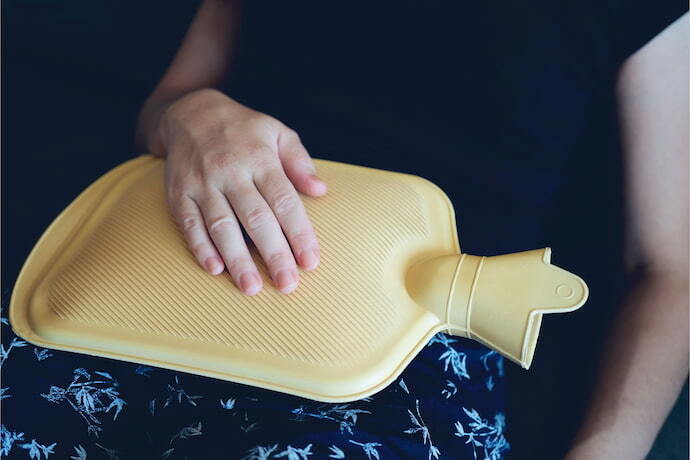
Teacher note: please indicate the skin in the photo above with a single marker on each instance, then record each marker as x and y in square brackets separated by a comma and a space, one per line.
[645, 362]
[229, 166]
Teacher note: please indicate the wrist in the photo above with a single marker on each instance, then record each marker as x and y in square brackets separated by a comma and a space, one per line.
[147, 135]
[156, 112]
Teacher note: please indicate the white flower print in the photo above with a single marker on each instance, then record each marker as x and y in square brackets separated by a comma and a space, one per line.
[369, 449]
[420, 426]
[482, 434]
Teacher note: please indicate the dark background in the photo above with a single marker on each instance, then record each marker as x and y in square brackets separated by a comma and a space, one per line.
[75, 76]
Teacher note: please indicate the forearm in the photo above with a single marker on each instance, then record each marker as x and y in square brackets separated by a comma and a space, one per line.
[202, 61]
[644, 366]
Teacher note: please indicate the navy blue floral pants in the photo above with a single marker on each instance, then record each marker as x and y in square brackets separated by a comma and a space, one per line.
[446, 404]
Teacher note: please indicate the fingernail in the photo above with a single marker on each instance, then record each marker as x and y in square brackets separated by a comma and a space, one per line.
[319, 185]
[250, 283]
[286, 281]
[309, 258]
[213, 265]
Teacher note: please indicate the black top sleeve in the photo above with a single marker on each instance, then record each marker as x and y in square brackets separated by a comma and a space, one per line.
[632, 24]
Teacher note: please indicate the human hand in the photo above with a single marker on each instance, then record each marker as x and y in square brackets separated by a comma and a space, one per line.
[229, 167]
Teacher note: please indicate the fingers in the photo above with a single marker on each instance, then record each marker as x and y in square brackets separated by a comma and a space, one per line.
[261, 225]
[246, 177]
[191, 222]
[298, 165]
[289, 210]
[224, 230]
[208, 231]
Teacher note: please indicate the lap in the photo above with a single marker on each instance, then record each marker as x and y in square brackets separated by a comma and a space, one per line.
[446, 404]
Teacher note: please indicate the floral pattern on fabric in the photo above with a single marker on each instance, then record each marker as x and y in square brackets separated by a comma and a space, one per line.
[58, 405]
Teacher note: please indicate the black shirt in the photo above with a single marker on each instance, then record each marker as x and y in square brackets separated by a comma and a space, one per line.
[488, 100]
[509, 107]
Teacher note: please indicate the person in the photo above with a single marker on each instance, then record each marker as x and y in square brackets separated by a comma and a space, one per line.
[502, 107]
[491, 105]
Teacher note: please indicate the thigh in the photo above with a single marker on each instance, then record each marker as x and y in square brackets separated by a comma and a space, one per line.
[446, 404]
